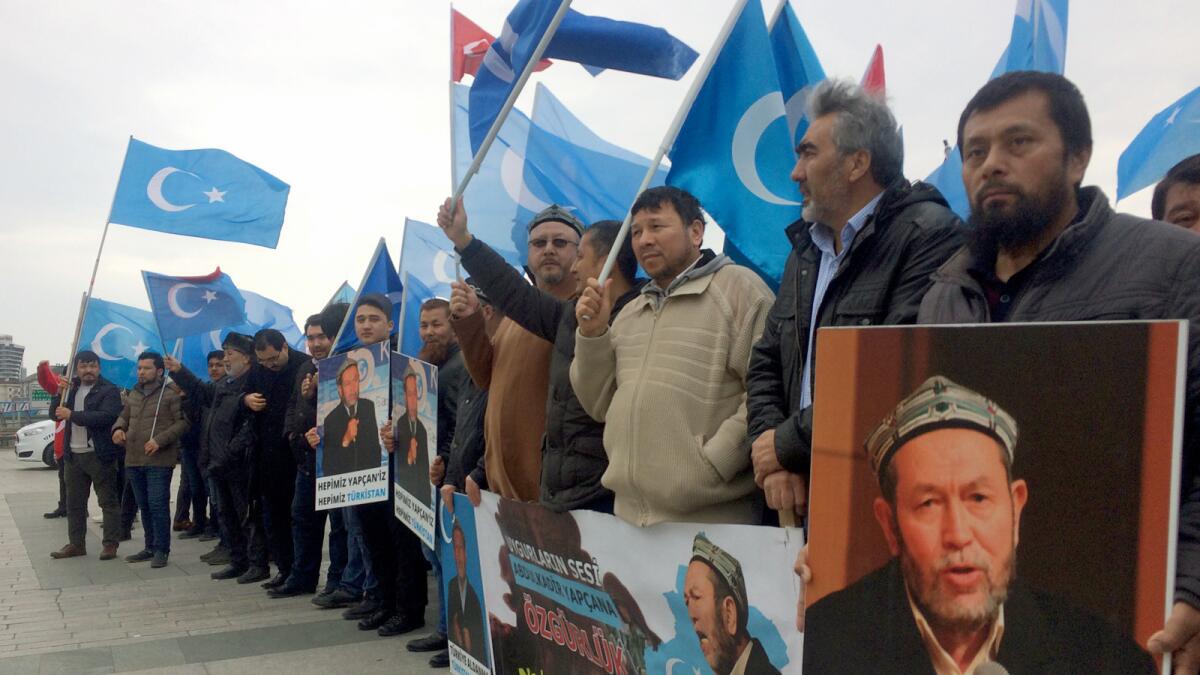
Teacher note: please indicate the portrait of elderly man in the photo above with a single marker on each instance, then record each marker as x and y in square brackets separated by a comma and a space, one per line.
[351, 430]
[714, 590]
[949, 600]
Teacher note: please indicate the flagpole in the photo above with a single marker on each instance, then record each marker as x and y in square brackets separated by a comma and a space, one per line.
[673, 131]
[534, 59]
[453, 139]
[87, 297]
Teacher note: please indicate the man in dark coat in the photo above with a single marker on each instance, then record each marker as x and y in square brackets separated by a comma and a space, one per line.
[351, 443]
[573, 456]
[1046, 249]
[90, 408]
[949, 600]
[861, 256]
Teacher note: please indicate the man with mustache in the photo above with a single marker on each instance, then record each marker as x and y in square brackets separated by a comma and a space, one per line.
[714, 591]
[862, 254]
[1047, 249]
[949, 600]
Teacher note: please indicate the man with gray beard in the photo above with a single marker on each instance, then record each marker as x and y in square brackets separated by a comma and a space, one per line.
[949, 601]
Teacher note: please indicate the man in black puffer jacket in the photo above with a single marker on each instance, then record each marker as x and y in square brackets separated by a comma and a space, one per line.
[227, 453]
[861, 256]
[573, 456]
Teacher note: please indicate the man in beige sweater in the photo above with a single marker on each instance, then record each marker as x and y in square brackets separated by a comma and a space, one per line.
[668, 377]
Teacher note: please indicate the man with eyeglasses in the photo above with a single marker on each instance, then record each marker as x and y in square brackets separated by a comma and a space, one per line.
[513, 366]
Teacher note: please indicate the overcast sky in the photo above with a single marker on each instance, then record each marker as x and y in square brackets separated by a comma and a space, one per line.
[347, 102]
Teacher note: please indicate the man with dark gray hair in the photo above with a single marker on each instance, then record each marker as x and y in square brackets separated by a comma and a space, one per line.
[861, 255]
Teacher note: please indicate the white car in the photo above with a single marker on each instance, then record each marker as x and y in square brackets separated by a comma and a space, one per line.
[35, 442]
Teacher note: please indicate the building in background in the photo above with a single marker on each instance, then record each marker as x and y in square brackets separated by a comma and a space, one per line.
[12, 357]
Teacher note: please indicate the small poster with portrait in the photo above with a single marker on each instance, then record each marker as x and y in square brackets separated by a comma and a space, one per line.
[352, 402]
[998, 498]
[414, 442]
[462, 587]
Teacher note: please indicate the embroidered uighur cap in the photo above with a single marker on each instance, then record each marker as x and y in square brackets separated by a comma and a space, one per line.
[726, 566]
[556, 213]
[939, 403]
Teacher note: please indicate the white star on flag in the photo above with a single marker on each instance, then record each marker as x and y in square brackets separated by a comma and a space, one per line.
[215, 195]
[209, 296]
[1174, 114]
[139, 348]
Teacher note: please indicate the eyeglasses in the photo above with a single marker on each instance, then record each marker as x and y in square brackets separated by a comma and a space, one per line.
[556, 242]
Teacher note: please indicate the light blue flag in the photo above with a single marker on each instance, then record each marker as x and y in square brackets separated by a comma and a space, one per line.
[1038, 42]
[504, 61]
[185, 306]
[599, 43]
[380, 277]
[1171, 136]
[118, 334]
[261, 312]
[344, 293]
[415, 293]
[577, 169]
[491, 198]
[734, 152]
[199, 193]
[427, 256]
[799, 68]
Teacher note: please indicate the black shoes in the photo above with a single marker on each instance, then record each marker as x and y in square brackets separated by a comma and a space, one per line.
[254, 574]
[400, 624]
[376, 620]
[287, 591]
[192, 533]
[140, 556]
[361, 611]
[276, 581]
[56, 513]
[430, 643]
[230, 572]
[160, 560]
[335, 600]
[440, 660]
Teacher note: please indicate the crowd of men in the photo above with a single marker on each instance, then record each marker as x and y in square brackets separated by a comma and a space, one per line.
[684, 396]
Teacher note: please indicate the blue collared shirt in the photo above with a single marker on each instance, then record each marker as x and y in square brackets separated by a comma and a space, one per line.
[822, 238]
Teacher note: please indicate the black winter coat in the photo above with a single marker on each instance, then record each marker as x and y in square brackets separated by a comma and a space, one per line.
[880, 281]
[270, 423]
[573, 456]
[302, 416]
[227, 434]
[101, 408]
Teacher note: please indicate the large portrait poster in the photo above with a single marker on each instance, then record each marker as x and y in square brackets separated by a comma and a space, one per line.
[414, 442]
[352, 401]
[1003, 493]
[462, 587]
[584, 592]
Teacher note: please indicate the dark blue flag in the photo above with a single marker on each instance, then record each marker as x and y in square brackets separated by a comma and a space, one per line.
[185, 306]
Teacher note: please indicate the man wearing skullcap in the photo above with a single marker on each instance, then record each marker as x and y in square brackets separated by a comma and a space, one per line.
[714, 590]
[949, 601]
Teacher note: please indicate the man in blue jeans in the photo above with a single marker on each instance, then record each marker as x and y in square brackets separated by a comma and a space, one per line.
[150, 427]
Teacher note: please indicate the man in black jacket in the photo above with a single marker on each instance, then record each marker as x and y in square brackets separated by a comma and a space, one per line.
[227, 451]
[274, 473]
[861, 256]
[573, 456]
[1045, 249]
[90, 408]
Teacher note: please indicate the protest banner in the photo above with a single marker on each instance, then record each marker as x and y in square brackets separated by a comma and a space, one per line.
[352, 395]
[414, 442]
[584, 592]
[462, 588]
[943, 456]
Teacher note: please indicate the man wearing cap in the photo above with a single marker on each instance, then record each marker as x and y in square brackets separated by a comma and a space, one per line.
[514, 366]
[714, 590]
[226, 450]
[949, 599]
[573, 457]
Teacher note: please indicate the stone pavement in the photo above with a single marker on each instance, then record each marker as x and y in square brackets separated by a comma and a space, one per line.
[82, 615]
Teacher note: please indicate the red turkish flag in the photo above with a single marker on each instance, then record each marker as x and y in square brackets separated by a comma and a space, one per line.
[48, 380]
[468, 44]
[873, 80]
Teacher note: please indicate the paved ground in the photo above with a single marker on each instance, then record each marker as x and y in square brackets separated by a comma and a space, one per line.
[86, 616]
